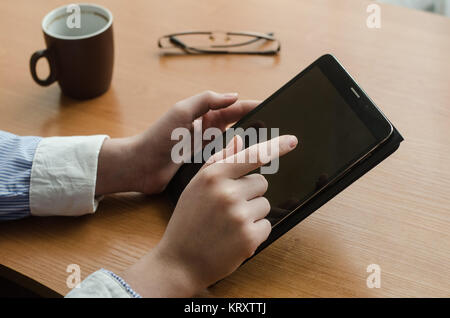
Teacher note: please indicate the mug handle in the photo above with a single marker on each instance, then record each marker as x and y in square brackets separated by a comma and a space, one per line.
[33, 61]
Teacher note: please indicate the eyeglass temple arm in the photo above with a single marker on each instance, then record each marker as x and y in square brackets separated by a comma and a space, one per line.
[267, 36]
[180, 44]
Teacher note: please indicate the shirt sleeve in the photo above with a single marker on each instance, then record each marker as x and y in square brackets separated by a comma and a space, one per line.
[103, 284]
[64, 175]
[16, 160]
[48, 176]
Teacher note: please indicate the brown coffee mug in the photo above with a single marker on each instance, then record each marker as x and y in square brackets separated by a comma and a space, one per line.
[80, 50]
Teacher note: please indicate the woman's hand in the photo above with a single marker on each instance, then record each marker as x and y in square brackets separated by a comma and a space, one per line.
[218, 223]
[143, 163]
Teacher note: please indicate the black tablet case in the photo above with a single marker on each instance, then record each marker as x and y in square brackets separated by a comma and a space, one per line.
[176, 187]
[357, 171]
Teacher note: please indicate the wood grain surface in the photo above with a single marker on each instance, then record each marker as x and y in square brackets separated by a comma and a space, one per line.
[397, 216]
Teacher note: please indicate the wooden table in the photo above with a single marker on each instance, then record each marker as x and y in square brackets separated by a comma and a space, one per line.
[397, 216]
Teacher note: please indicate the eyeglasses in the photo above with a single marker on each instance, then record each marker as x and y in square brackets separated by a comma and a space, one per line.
[203, 42]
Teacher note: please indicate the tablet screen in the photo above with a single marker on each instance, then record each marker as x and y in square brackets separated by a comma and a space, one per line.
[331, 137]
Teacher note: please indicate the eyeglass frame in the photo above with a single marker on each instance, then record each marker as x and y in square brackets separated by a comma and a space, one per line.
[177, 43]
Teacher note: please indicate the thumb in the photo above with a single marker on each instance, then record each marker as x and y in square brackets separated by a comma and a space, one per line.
[198, 105]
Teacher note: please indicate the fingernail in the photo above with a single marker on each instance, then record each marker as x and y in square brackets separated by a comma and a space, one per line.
[230, 95]
[293, 141]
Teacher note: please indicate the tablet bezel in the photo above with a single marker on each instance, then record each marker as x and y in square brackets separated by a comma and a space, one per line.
[369, 113]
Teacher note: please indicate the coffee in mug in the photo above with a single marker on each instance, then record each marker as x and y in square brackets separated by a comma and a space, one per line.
[80, 50]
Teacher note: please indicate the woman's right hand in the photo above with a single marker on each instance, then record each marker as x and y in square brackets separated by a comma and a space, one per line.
[218, 223]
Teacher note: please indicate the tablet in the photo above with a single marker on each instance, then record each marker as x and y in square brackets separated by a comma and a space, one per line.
[338, 127]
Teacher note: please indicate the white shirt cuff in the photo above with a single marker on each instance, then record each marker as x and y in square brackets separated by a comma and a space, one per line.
[63, 176]
[102, 284]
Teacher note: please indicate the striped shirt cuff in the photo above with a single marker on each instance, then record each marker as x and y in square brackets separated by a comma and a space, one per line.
[16, 159]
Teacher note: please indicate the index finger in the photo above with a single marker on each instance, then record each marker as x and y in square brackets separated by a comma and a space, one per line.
[257, 155]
